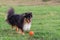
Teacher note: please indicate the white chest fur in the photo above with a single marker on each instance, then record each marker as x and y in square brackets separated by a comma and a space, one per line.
[27, 26]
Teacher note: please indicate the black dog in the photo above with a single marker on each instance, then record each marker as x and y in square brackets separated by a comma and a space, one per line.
[22, 21]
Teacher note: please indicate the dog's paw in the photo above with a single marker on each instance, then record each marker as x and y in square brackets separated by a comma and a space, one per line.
[23, 33]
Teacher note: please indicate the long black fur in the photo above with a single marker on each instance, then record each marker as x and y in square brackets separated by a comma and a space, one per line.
[17, 19]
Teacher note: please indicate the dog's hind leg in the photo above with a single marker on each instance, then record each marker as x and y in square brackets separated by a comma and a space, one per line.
[13, 27]
[16, 29]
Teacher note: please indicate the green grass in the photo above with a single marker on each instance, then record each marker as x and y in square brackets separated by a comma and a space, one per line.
[45, 24]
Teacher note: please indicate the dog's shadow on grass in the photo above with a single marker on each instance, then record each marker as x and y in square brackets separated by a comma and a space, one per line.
[7, 31]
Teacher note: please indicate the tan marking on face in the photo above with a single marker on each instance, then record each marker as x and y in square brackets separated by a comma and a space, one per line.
[27, 21]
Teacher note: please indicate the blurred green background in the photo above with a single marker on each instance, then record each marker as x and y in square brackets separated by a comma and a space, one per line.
[45, 22]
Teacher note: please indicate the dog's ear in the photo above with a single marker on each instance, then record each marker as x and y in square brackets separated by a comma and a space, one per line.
[24, 14]
[31, 13]
[28, 13]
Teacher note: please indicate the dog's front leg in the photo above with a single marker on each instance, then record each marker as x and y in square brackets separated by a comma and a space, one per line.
[22, 32]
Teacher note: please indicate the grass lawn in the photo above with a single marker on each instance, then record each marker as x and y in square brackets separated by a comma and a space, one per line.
[45, 24]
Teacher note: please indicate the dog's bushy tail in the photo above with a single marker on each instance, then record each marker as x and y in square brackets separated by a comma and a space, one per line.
[10, 12]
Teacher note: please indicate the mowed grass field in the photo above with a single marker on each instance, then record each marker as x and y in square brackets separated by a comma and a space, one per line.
[45, 23]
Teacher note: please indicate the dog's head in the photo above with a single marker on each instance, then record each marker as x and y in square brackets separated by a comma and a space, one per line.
[28, 16]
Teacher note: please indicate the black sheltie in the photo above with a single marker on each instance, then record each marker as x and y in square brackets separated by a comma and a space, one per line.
[21, 21]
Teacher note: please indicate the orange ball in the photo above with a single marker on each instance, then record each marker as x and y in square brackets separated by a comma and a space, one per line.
[31, 33]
